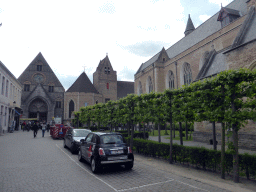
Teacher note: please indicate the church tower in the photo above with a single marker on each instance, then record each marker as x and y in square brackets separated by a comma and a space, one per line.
[105, 80]
[190, 26]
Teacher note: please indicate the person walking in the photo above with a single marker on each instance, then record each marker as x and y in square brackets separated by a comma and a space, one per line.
[35, 128]
[43, 125]
[48, 127]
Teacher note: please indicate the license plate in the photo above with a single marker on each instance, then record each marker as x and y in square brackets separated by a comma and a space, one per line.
[117, 152]
[117, 158]
[60, 133]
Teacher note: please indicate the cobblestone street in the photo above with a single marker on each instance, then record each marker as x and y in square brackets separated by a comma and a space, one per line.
[42, 164]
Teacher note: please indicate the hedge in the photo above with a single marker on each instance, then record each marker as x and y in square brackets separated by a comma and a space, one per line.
[199, 157]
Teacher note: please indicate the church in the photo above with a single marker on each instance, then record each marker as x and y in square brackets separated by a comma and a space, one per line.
[43, 96]
[227, 40]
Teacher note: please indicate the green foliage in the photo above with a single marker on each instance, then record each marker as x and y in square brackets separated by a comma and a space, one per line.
[197, 156]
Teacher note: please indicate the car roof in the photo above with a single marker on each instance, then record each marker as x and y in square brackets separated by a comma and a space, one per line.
[111, 133]
[82, 129]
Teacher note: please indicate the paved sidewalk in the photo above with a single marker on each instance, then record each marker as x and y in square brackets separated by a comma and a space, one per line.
[196, 144]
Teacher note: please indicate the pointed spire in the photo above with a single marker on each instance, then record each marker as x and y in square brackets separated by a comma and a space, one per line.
[190, 26]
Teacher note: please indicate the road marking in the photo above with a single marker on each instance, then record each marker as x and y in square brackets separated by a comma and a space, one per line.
[86, 170]
[192, 186]
[128, 188]
[145, 185]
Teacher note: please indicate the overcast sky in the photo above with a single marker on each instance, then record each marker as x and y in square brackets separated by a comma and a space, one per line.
[77, 33]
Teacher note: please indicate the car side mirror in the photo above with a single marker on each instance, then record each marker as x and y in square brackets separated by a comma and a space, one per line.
[82, 140]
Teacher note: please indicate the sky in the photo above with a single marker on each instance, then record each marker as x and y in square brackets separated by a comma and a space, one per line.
[74, 36]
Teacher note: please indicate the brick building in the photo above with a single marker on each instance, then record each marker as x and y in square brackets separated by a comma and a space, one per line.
[42, 93]
[227, 40]
[105, 87]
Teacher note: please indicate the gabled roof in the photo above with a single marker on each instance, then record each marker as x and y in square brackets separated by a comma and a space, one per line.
[38, 93]
[228, 11]
[124, 88]
[9, 72]
[30, 68]
[206, 29]
[190, 26]
[162, 54]
[83, 84]
[103, 63]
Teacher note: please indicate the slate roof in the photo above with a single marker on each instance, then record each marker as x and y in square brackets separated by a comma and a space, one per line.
[124, 88]
[190, 26]
[206, 29]
[82, 84]
[9, 72]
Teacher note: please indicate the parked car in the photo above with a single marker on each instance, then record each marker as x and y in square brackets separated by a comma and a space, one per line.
[101, 149]
[73, 137]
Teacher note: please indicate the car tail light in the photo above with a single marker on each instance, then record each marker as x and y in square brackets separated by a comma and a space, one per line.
[129, 150]
[101, 151]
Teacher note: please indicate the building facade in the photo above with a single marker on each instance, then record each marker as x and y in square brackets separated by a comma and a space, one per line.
[225, 41]
[10, 99]
[105, 87]
[42, 92]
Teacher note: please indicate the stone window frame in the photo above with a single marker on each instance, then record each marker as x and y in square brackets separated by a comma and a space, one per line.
[139, 88]
[3, 85]
[170, 80]
[186, 74]
[70, 110]
[26, 87]
[149, 87]
[6, 87]
[39, 67]
[58, 104]
[51, 89]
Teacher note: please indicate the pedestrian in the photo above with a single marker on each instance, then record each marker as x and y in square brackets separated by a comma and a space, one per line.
[48, 127]
[35, 128]
[43, 125]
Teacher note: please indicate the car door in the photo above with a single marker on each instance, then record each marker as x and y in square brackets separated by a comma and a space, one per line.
[69, 138]
[87, 147]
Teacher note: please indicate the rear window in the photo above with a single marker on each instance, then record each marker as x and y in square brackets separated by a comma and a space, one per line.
[81, 133]
[111, 139]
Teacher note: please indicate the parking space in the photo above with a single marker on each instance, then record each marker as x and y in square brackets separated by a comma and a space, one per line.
[42, 164]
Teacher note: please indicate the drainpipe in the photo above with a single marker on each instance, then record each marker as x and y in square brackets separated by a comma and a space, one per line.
[176, 74]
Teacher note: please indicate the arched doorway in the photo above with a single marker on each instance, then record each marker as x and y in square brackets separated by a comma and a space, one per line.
[38, 109]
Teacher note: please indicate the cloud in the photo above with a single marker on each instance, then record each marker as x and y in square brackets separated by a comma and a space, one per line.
[126, 74]
[145, 49]
[107, 8]
[203, 18]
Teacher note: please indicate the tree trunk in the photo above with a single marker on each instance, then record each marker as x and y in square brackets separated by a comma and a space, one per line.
[181, 139]
[174, 130]
[144, 131]
[222, 151]
[235, 142]
[128, 128]
[159, 132]
[170, 160]
[235, 156]
[186, 130]
[132, 133]
[214, 136]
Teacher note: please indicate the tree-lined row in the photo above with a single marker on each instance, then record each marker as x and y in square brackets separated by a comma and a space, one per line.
[228, 98]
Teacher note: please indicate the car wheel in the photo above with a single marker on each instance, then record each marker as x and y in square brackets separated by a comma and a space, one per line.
[72, 149]
[80, 158]
[94, 167]
[129, 166]
[64, 144]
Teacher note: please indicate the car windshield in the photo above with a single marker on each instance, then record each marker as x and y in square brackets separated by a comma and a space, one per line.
[81, 133]
[111, 139]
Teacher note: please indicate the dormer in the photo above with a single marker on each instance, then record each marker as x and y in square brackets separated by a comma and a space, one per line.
[227, 16]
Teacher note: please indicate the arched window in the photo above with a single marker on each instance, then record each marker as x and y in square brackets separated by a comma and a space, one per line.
[71, 108]
[170, 80]
[149, 85]
[187, 74]
[139, 88]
